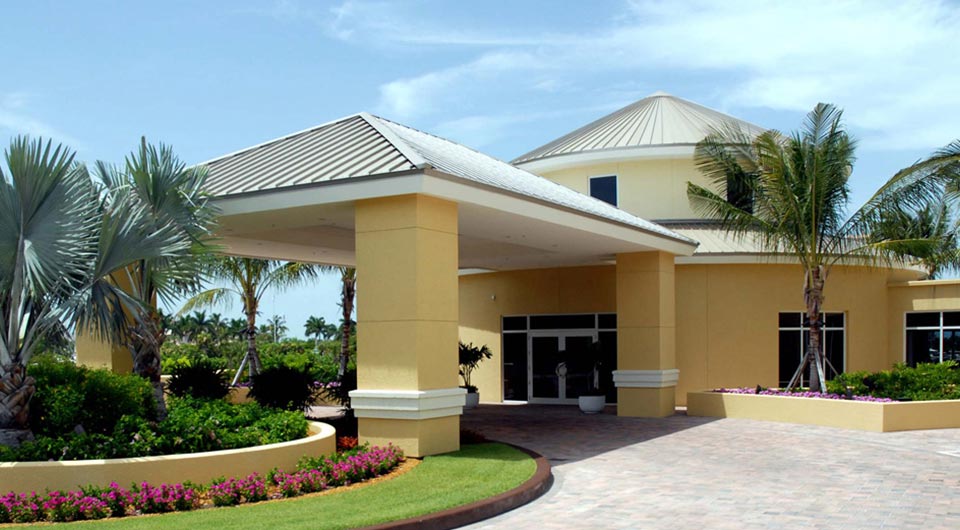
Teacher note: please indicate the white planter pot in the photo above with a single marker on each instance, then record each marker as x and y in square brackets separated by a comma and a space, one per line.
[473, 399]
[592, 404]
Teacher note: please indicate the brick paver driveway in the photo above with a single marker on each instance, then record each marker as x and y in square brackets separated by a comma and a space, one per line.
[691, 473]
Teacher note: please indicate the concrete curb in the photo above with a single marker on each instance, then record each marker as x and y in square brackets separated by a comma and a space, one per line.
[458, 516]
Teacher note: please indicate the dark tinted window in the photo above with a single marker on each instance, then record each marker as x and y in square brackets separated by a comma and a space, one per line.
[790, 320]
[515, 366]
[514, 323]
[604, 188]
[916, 320]
[834, 320]
[607, 321]
[923, 346]
[951, 318]
[563, 322]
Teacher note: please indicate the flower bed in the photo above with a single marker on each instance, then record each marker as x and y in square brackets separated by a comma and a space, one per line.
[867, 414]
[801, 394]
[199, 467]
[312, 475]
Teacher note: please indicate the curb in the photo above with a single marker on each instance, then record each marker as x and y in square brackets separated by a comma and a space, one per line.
[458, 516]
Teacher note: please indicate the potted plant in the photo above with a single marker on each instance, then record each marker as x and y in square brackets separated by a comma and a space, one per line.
[470, 357]
[594, 398]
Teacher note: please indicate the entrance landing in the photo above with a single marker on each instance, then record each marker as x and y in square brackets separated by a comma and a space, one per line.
[685, 472]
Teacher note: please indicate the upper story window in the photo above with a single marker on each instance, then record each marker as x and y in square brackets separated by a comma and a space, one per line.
[604, 188]
[933, 337]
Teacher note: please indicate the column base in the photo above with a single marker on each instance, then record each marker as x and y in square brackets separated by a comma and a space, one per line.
[646, 402]
[417, 438]
[421, 422]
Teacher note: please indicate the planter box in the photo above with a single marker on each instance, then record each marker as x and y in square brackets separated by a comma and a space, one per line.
[858, 415]
[196, 467]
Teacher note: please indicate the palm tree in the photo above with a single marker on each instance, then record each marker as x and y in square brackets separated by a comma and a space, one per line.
[63, 246]
[348, 292]
[278, 326]
[795, 203]
[316, 327]
[249, 279]
[156, 181]
[931, 221]
[237, 328]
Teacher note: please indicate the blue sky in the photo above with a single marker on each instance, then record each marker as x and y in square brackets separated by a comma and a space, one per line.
[503, 77]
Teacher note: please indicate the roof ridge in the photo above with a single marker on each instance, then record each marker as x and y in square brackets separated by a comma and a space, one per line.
[279, 139]
[408, 151]
[591, 137]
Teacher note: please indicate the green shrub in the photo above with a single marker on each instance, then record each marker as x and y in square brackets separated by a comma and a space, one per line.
[301, 356]
[201, 380]
[191, 426]
[69, 395]
[283, 387]
[924, 382]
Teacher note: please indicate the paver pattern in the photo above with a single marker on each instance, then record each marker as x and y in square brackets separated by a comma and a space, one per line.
[690, 473]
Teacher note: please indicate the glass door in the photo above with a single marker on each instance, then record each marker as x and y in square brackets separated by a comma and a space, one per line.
[552, 377]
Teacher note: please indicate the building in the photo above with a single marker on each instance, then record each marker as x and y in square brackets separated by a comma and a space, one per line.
[588, 238]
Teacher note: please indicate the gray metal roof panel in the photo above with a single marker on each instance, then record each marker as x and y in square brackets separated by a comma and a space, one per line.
[364, 145]
[657, 120]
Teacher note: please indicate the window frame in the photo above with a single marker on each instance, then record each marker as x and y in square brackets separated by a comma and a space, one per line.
[616, 183]
[823, 331]
[940, 328]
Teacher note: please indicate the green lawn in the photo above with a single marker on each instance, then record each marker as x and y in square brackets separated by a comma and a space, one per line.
[438, 483]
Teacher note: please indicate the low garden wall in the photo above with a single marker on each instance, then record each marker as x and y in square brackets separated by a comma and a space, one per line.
[195, 467]
[845, 414]
[241, 394]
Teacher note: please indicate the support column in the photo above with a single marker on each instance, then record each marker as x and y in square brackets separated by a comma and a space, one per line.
[95, 353]
[646, 375]
[407, 324]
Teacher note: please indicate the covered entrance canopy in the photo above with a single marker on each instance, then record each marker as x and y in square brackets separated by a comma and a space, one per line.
[409, 210]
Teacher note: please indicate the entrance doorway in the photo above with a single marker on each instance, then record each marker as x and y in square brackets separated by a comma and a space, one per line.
[554, 377]
[550, 358]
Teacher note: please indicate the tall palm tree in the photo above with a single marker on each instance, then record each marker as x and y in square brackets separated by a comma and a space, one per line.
[348, 292]
[249, 279]
[797, 196]
[63, 244]
[155, 179]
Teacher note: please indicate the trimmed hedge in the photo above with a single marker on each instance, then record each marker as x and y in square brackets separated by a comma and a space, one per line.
[925, 382]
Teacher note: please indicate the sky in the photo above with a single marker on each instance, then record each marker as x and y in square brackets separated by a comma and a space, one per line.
[503, 77]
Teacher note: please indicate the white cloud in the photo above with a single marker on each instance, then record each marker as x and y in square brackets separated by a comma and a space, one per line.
[894, 66]
[15, 119]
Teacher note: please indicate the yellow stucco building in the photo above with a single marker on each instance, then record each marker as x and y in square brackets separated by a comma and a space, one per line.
[587, 244]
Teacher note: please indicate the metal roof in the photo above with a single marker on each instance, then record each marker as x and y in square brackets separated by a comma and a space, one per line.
[714, 240]
[365, 145]
[657, 120]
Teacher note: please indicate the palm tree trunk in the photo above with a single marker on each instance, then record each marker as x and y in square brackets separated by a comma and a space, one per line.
[16, 389]
[145, 341]
[813, 295]
[252, 356]
[347, 305]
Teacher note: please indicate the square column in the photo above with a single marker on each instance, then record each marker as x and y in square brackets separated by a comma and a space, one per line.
[407, 324]
[646, 375]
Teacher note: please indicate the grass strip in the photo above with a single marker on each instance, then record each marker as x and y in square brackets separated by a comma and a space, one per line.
[440, 482]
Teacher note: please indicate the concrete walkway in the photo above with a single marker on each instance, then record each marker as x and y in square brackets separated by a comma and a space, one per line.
[692, 473]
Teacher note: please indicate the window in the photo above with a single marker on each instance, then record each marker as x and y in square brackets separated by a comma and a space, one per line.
[933, 337]
[794, 334]
[604, 188]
